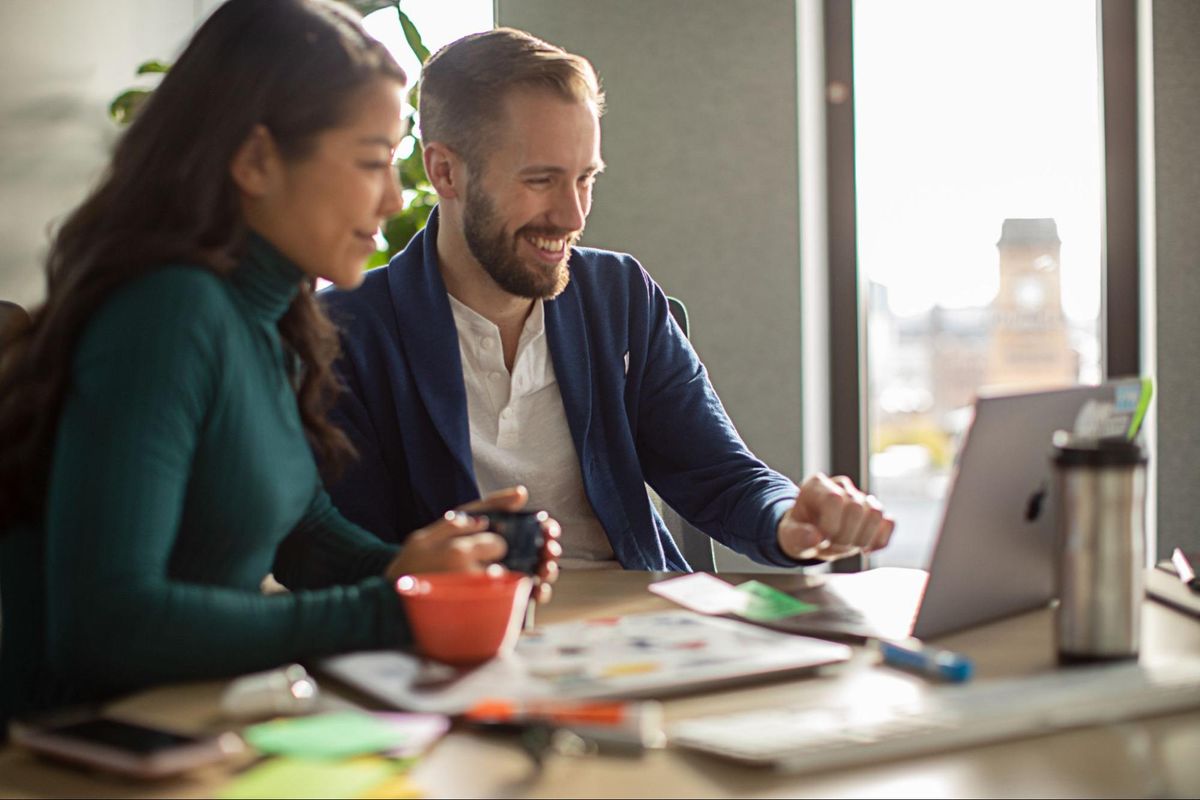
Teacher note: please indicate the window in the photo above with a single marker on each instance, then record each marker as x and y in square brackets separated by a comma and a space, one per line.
[978, 225]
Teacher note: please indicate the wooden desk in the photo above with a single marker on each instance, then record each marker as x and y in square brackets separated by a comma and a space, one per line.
[1158, 757]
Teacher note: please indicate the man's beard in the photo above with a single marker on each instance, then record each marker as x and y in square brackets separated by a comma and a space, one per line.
[497, 252]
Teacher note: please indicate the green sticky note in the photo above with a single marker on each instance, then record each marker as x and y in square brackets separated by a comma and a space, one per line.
[294, 777]
[767, 603]
[336, 735]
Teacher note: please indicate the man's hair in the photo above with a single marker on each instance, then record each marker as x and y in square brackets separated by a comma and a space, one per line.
[464, 86]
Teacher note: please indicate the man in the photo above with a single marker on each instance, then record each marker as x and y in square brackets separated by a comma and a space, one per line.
[493, 352]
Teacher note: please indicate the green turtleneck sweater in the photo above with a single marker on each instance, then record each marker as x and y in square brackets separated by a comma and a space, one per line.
[179, 469]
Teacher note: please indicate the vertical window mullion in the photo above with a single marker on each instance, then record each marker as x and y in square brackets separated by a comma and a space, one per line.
[1121, 247]
[848, 454]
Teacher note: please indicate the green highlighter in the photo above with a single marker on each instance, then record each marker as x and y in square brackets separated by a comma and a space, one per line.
[767, 603]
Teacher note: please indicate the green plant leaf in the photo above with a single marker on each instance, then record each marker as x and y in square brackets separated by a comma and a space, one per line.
[411, 169]
[153, 67]
[124, 106]
[401, 228]
[413, 36]
[377, 259]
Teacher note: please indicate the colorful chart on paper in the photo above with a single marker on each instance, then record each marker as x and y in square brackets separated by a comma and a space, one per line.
[644, 653]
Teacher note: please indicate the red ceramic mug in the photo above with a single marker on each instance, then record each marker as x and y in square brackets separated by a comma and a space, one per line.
[465, 618]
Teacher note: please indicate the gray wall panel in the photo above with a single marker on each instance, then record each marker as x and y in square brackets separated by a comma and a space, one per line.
[1177, 210]
[61, 62]
[702, 182]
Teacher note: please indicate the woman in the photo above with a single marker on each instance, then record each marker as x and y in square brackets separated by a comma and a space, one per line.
[159, 417]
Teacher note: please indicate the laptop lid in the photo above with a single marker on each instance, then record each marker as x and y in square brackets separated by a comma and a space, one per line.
[995, 552]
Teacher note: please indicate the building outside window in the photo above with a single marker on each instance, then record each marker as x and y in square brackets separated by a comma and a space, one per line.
[979, 175]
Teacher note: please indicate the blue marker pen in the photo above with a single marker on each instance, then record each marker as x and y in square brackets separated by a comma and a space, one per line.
[912, 654]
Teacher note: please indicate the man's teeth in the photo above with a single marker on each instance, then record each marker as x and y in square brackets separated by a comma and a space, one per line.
[549, 245]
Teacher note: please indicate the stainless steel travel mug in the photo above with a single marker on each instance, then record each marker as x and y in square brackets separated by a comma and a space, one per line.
[1101, 493]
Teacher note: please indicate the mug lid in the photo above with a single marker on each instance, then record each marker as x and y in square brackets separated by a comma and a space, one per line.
[1072, 450]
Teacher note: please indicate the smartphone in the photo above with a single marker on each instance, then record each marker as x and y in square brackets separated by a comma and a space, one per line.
[123, 747]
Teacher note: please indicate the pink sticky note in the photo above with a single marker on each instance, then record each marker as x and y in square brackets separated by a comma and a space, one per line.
[420, 731]
[702, 592]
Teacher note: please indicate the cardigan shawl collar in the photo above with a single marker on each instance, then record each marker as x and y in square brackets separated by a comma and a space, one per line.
[426, 325]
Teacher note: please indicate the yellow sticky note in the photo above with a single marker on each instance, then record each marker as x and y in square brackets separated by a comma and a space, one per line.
[302, 778]
[398, 787]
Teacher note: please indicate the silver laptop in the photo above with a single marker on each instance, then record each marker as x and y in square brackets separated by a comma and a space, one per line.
[995, 552]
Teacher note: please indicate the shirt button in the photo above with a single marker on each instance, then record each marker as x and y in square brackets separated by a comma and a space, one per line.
[494, 376]
[507, 413]
[486, 344]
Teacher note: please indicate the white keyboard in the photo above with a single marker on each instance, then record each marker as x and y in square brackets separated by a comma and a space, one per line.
[801, 739]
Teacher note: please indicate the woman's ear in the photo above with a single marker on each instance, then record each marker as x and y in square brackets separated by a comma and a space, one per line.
[445, 170]
[254, 164]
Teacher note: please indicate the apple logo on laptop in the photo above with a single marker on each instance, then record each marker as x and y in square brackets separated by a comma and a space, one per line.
[1033, 506]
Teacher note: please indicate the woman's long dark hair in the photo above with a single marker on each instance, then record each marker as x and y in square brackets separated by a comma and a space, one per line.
[167, 197]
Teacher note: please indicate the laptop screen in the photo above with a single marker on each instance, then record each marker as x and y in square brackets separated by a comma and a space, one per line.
[995, 552]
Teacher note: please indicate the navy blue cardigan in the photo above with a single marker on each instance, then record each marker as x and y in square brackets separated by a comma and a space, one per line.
[638, 402]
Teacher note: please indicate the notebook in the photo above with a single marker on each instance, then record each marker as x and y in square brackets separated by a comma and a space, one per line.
[995, 551]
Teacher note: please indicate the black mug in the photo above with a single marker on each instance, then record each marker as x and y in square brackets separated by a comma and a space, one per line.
[522, 530]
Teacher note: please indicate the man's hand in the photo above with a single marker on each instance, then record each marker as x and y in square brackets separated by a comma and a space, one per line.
[832, 519]
[460, 542]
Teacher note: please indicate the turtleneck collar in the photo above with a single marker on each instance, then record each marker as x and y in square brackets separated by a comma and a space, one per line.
[266, 280]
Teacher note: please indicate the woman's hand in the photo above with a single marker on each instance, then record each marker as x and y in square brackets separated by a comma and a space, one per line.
[455, 543]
